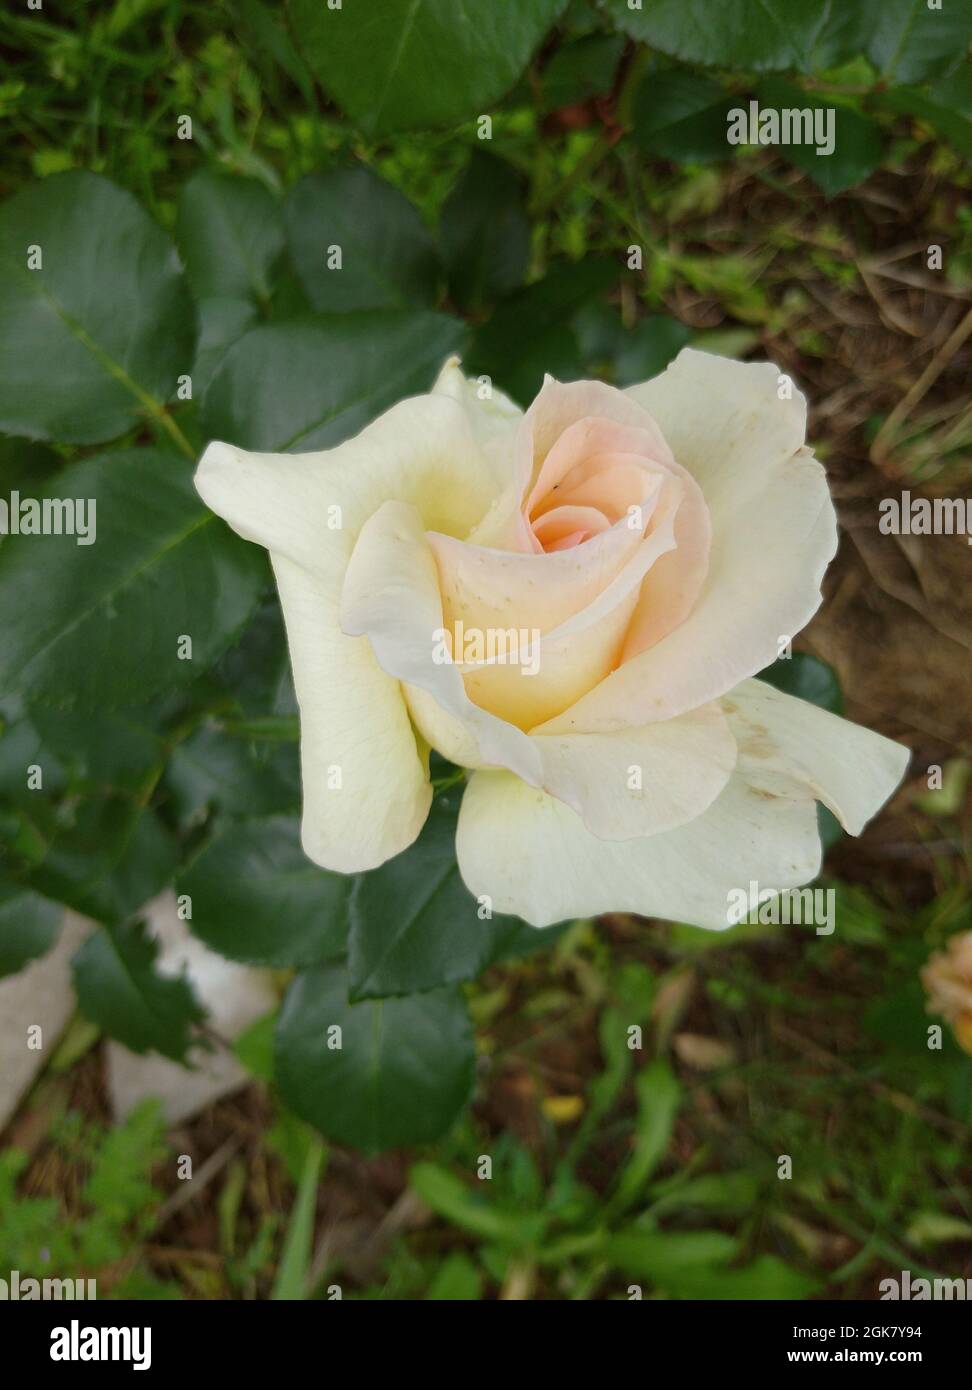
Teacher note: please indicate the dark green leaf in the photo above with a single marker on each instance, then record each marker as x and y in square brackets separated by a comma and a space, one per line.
[530, 333]
[485, 232]
[411, 64]
[22, 748]
[622, 355]
[909, 41]
[119, 988]
[222, 322]
[266, 38]
[947, 107]
[230, 233]
[387, 259]
[752, 35]
[99, 625]
[415, 925]
[213, 768]
[257, 898]
[857, 139]
[108, 860]
[95, 339]
[906, 40]
[580, 70]
[29, 925]
[807, 678]
[256, 672]
[681, 116]
[310, 385]
[114, 749]
[401, 1074]
[24, 466]
[648, 348]
[829, 827]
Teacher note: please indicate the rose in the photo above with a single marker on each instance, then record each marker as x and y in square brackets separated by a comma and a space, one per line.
[664, 541]
[947, 978]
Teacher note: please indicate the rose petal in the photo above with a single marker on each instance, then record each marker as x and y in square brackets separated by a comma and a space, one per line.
[773, 533]
[493, 418]
[580, 600]
[563, 528]
[642, 781]
[483, 587]
[532, 855]
[556, 407]
[353, 715]
[353, 718]
[391, 596]
[791, 748]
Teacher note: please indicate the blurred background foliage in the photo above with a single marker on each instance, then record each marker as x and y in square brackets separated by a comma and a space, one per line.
[603, 225]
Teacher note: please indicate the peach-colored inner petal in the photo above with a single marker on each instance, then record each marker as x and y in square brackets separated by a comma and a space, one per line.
[600, 547]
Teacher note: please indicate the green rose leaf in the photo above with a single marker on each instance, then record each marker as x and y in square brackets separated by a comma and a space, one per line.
[378, 1074]
[312, 384]
[580, 70]
[23, 466]
[214, 768]
[858, 146]
[415, 925]
[946, 107]
[257, 898]
[256, 671]
[94, 338]
[120, 990]
[230, 233]
[681, 116]
[485, 232]
[910, 41]
[413, 64]
[357, 243]
[807, 678]
[753, 35]
[646, 350]
[530, 333]
[29, 925]
[906, 40]
[622, 355]
[222, 322]
[108, 860]
[113, 749]
[99, 625]
[22, 748]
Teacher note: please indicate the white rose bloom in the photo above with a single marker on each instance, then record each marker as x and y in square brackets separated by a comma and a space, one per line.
[656, 544]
